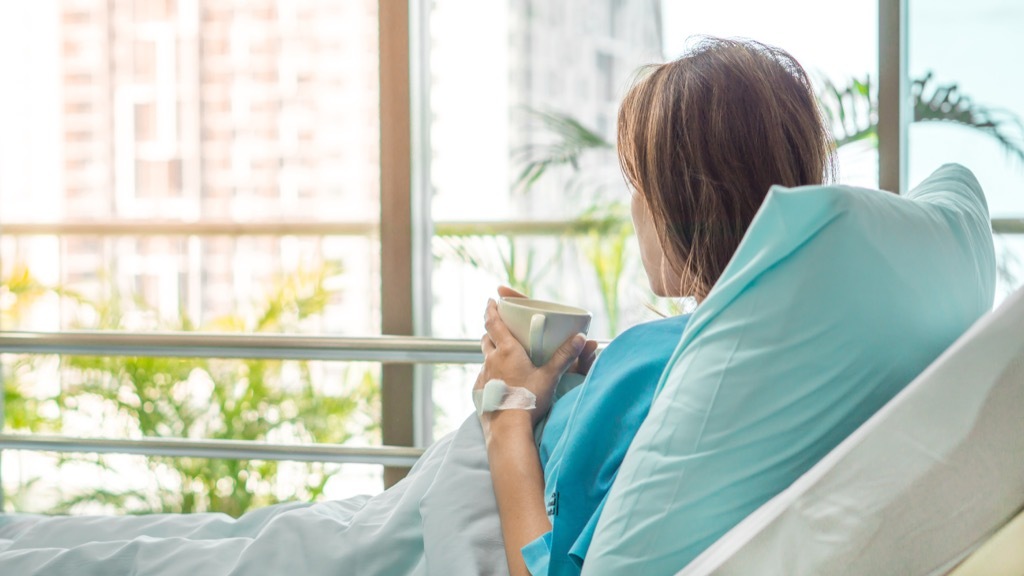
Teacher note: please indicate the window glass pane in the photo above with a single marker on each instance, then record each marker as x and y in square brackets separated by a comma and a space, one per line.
[971, 91]
[192, 111]
[291, 402]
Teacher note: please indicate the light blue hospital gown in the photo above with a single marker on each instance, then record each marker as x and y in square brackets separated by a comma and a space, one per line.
[586, 437]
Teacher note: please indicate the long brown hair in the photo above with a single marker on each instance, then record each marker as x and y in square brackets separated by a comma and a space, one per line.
[705, 136]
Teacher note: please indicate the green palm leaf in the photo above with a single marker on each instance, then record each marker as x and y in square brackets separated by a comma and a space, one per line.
[946, 103]
[852, 111]
[572, 139]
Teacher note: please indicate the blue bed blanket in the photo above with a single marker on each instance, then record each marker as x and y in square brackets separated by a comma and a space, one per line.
[441, 519]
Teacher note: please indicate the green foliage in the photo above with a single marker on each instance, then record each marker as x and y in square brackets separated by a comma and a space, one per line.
[945, 103]
[23, 411]
[20, 291]
[1009, 266]
[572, 140]
[605, 248]
[266, 400]
[511, 259]
[602, 231]
[852, 111]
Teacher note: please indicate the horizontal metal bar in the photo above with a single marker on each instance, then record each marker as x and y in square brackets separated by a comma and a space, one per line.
[227, 449]
[398, 349]
[1008, 225]
[280, 228]
[177, 228]
[517, 227]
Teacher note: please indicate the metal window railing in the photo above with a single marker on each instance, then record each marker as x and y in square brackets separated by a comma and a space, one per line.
[1008, 225]
[228, 449]
[386, 349]
[394, 349]
[287, 228]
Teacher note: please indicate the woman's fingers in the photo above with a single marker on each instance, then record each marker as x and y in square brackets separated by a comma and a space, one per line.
[506, 292]
[587, 357]
[566, 354]
[496, 329]
[486, 344]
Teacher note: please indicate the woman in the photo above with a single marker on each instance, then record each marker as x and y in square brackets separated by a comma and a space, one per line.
[700, 141]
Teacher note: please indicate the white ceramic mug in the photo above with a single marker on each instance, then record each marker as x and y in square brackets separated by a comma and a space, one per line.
[541, 327]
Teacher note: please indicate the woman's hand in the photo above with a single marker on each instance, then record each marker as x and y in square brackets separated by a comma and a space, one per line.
[505, 359]
[586, 358]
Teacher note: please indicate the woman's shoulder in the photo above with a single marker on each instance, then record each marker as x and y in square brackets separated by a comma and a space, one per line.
[647, 345]
[654, 332]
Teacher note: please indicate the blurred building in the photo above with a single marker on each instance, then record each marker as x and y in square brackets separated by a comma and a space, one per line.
[576, 57]
[493, 64]
[181, 110]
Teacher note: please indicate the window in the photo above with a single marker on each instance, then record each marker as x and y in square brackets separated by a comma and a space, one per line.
[966, 87]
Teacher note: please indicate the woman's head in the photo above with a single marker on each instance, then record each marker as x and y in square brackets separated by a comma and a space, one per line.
[701, 139]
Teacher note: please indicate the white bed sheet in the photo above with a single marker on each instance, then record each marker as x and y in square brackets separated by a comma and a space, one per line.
[442, 519]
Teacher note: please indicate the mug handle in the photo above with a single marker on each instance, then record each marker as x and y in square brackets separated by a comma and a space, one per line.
[536, 339]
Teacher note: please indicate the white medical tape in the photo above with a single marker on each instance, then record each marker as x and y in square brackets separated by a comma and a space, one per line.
[496, 395]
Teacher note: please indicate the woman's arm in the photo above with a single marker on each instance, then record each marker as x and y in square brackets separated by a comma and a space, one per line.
[511, 451]
[518, 484]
